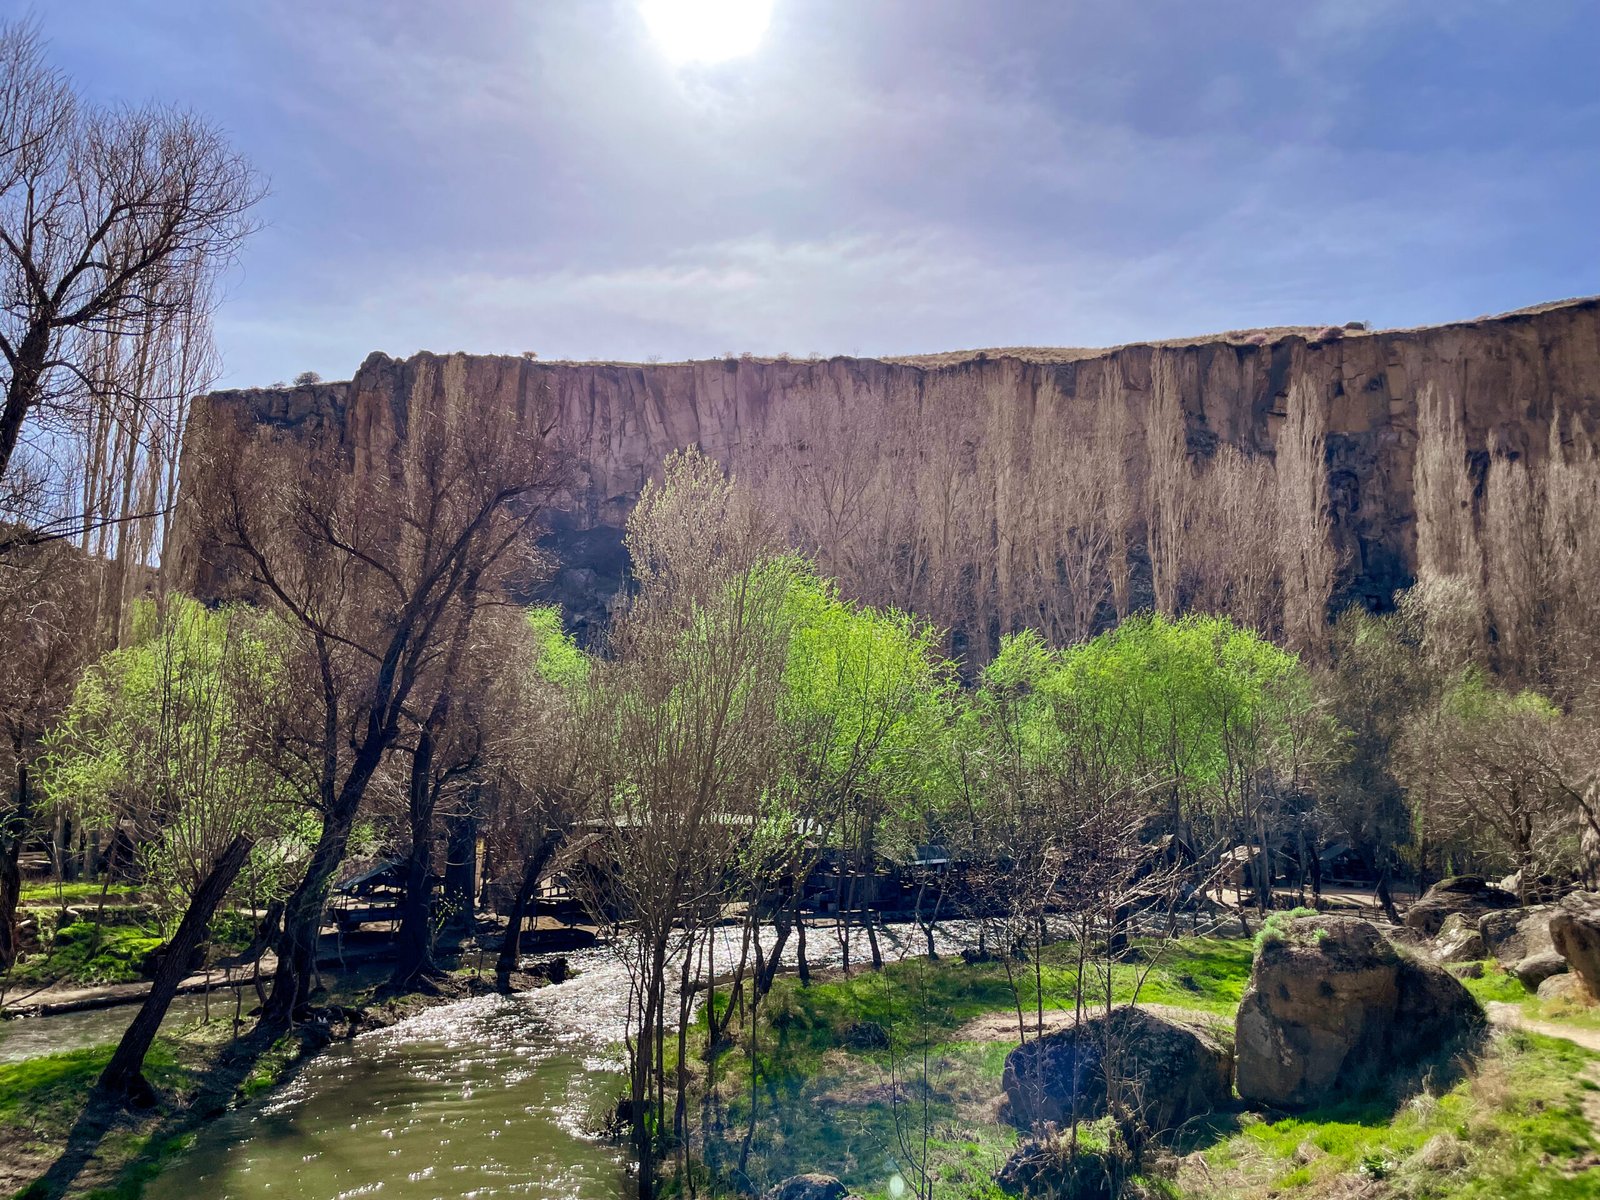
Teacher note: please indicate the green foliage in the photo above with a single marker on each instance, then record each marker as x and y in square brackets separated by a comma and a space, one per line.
[158, 733]
[558, 660]
[1195, 701]
[89, 954]
[865, 689]
[1473, 700]
[1276, 927]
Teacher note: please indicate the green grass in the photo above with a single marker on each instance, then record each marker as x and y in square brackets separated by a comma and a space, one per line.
[825, 1103]
[1205, 974]
[1509, 1129]
[88, 954]
[43, 1096]
[1496, 985]
[146, 1156]
[74, 893]
[1504, 1133]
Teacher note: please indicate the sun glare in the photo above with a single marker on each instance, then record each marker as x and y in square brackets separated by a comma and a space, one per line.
[706, 31]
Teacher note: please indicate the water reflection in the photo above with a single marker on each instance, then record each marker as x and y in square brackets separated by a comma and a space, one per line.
[483, 1097]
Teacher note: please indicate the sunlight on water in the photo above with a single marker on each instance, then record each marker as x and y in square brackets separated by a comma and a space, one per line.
[491, 1096]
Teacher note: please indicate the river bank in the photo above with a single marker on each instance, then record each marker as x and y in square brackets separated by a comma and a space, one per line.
[57, 1138]
[892, 1082]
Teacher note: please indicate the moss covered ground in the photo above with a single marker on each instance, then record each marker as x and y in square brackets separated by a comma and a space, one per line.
[116, 949]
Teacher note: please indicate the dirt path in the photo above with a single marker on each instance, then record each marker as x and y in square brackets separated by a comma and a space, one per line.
[1510, 1016]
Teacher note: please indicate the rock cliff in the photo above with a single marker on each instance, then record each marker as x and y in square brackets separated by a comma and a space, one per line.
[995, 489]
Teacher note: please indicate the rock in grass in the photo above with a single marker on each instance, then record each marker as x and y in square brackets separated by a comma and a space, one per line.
[807, 1187]
[1459, 940]
[1171, 1066]
[1532, 971]
[1568, 987]
[1333, 1010]
[1513, 934]
[1575, 933]
[1470, 895]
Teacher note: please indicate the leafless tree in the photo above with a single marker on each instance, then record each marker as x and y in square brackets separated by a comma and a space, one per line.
[377, 561]
[44, 620]
[112, 224]
[690, 701]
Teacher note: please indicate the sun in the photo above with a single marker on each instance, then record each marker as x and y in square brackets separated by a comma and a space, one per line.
[706, 31]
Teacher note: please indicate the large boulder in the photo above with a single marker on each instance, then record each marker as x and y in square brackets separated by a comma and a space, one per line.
[1459, 941]
[1470, 895]
[1513, 934]
[807, 1187]
[1333, 1010]
[1567, 988]
[1173, 1065]
[1575, 933]
[1532, 971]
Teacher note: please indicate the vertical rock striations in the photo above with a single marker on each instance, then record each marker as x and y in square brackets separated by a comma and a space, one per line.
[1271, 474]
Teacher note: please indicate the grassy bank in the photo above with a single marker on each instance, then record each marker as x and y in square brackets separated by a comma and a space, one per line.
[898, 1072]
[198, 1070]
[115, 949]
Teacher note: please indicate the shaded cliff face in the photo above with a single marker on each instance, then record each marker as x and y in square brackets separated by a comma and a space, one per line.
[992, 491]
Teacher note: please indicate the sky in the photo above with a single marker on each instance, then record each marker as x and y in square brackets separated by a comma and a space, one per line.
[876, 176]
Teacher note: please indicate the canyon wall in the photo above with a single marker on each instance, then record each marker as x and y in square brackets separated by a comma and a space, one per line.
[1273, 474]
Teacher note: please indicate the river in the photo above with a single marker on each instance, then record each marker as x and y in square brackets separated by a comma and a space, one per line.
[491, 1096]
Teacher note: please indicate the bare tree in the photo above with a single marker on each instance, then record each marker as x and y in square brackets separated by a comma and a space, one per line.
[690, 701]
[112, 223]
[376, 567]
[44, 620]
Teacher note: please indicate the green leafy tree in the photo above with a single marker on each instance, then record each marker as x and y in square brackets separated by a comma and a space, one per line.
[173, 737]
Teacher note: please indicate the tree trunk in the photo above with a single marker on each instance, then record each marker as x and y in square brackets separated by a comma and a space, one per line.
[123, 1076]
[532, 868]
[1384, 898]
[461, 867]
[414, 951]
[22, 392]
[12, 835]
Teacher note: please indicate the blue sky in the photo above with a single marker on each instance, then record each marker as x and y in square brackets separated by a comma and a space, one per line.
[878, 177]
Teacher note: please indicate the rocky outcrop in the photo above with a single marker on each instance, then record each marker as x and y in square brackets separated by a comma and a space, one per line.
[1566, 987]
[1575, 932]
[1533, 970]
[1513, 934]
[1459, 940]
[982, 461]
[1470, 895]
[1333, 1011]
[1169, 1066]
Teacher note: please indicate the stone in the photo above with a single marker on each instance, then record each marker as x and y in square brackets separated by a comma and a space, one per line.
[616, 422]
[1536, 968]
[866, 1035]
[1459, 941]
[1333, 1010]
[1174, 1068]
[807, 1187]
[1575, 934]
[1513, 934]
[1467, 970]
[1470, 895]
[1567, 986]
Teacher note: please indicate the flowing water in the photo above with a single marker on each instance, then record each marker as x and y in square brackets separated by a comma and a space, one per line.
[492, 1096]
